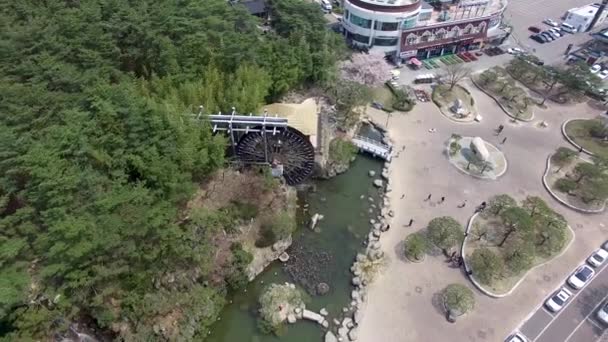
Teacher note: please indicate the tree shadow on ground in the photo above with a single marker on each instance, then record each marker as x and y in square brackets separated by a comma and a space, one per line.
[400, 251]
[437, 302]
[591, 300]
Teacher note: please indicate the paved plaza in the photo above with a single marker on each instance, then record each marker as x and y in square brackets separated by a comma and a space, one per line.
[403, 302]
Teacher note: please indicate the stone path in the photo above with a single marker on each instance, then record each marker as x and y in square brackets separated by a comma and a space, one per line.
[403, 303]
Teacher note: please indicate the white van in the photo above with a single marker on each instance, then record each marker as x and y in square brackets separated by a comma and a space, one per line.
[326, 5]
[568, 28]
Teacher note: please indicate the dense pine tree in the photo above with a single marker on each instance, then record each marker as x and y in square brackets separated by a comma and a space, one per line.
[97, 157]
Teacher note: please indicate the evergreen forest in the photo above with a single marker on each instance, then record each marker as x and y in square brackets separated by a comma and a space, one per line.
[98, 155]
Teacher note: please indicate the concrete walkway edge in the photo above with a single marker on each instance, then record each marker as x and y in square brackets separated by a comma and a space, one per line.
[570, 140]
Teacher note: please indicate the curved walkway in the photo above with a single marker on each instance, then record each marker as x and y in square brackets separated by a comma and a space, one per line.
[402, 302]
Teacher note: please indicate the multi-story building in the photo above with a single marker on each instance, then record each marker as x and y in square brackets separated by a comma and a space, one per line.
[423, 29]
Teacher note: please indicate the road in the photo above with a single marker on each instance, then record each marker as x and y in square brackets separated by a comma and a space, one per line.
[577, 321]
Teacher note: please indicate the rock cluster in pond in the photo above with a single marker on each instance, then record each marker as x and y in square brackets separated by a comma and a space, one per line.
[309, 268]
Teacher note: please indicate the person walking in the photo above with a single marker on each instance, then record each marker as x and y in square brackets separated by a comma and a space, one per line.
[442, 200]
[500, 128]
[402, 196]
[411, 222]
[503, 140]
[428, 198]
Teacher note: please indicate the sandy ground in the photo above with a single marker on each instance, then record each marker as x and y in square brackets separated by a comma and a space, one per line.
[402, 303]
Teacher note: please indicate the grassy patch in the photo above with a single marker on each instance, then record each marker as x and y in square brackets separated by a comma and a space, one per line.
[511, 96]
[587, 193]
[508, 279]
[341, 151]
[507, 240]
[579, 131]
[383, 95]
[444, 98]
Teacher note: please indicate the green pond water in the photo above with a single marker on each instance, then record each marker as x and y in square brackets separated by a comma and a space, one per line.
[344, 227]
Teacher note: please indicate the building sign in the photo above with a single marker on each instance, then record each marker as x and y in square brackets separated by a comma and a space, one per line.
[406, 54]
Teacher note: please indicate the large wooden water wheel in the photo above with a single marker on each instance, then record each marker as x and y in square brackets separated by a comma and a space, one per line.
[288, 147]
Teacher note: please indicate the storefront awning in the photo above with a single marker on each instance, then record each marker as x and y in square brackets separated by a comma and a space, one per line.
[415, 61]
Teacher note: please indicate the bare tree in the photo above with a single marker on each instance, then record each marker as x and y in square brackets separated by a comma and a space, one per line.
[367, 69]
[455, 73]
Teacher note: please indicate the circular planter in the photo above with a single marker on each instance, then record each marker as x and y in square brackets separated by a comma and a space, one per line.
[459, 160]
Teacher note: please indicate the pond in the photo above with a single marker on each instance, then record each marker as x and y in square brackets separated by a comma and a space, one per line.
[342, 231]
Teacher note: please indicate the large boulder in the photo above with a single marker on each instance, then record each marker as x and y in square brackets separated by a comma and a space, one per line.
[342, 332]
[330, 337]
[378, 183]
[478, 146]
[353, 334]
[358, 316]
[291, 318]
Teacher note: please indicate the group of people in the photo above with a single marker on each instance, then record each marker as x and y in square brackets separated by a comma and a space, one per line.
[455, 259]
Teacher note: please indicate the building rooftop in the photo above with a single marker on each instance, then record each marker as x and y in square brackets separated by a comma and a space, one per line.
[466, 10]
[302, 116]
[391, 2]
[585, 10]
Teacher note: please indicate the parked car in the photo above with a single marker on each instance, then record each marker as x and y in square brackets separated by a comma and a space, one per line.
[534, 29]
[558, 299]
[603, 74]
[551, 22]
[548, 36]
[552, 34]
[568, 28]
[598, 257]
[539, 38]
[556, 32]
[326, 6]
[605, 245]
[515, 51]
[602, 313]
[516, 337]
[581, 277]
[595, 69]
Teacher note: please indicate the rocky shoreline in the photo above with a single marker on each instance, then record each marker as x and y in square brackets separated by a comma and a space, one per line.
[347, 328]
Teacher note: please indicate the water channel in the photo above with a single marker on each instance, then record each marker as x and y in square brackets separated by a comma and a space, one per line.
[345, 226]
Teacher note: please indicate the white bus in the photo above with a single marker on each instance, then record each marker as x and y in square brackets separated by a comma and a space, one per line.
[568, 28]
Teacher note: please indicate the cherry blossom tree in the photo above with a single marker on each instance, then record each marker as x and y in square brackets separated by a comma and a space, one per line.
[368, 69]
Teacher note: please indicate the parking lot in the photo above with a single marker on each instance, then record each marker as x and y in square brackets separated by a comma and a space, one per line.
[522, 14]
[575, 322]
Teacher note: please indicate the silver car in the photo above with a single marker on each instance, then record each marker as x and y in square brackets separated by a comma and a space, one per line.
[598, 257]
[557, 301]
[602, 314]
[516, 337]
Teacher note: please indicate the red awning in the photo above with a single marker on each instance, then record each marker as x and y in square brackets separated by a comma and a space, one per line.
[415, 61]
